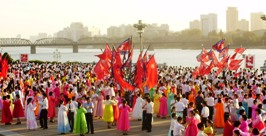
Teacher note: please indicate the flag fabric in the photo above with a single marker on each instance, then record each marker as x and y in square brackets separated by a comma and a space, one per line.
[139, 72]
[4, 68]
[224, 52]
[202, 68]
[219, 46]
[235, 67]
[129, 59]
[125, 46]
[239, 50]
[107, 54]
[235, 62]
[233, 56]
[117, 73]
[152, 73]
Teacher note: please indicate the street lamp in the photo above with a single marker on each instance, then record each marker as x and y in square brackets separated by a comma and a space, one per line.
[57, 55]
[140, 29]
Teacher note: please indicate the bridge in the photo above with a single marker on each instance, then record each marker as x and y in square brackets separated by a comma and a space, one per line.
[95, 42]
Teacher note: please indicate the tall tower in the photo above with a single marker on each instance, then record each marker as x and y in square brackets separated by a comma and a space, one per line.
[208, 23]
[256, 23]
[231, 19]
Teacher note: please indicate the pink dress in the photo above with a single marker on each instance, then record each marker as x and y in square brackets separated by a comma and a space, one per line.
[258, 123]
[254, 107]
[163, 111]
[123, 121]
[100, 106]
[192, 129]
[95, 103]
[244, 126]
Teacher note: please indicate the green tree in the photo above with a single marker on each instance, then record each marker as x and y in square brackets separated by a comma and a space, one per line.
[8, 57]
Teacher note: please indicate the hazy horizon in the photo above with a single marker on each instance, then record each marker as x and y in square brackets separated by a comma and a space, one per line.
[30, 17]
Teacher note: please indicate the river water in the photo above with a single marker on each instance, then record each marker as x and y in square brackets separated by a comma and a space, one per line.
[172, 57]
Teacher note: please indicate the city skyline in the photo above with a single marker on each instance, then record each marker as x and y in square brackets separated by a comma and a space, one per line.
[31, 17]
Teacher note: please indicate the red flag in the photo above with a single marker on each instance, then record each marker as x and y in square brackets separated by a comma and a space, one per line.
[235, 62]
[4, 67]
[139, 72]
[152, 73]
[125, 46]
[101, 69]
[223, 63]
[117, 64]
[202, 68]
[240, 50]
[219, 46]
[224, 52]
[107, 54]
[236, 67]
[233, 57]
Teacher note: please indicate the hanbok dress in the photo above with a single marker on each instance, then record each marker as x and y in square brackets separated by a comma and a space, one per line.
[108, 114]
[192, 129]
[123, 121]
[18, 109]
[163, 111]
[156, 103]
[100, 106]
[137, 111]
[80, 125]
[62, 121]
[219, 115]
[30, 116]
[170, 98]
[6, 112]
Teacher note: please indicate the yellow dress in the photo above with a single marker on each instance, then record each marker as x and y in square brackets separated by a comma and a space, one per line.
[108, 113]
[156, 103]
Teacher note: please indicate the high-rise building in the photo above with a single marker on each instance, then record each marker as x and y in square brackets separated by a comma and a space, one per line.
[243, 25]
[256, 23]
[75, 32]
[208, 23]
[231, 19]
[194, 24]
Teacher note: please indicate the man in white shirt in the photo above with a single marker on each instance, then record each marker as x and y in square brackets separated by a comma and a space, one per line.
[44, 112]
[178, 128]
[210, 103]
[250, 101]
[173, 122]
[204, 113]
[185, 102]
[149, 108]
[179, 106]
[72, 106]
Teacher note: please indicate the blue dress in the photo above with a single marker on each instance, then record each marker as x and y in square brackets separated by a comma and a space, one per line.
[170, 98]
[245, 105]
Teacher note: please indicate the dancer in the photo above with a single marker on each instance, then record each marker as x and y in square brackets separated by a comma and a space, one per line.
[89, 115]
[80, 126]
[18, 109]
[63, 124]
[123, 121]
[30, 116]
[108, 115]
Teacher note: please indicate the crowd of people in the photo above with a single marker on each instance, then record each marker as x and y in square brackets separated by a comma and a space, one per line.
[234, 101]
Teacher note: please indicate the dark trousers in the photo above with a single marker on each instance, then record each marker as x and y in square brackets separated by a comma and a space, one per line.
[172, 132]
[43, 118]
[204, 121]
[70, 117]
[211, 112]
[148, 120]
[249, 112]
[184, 114]
[89, 120]
[144, 120]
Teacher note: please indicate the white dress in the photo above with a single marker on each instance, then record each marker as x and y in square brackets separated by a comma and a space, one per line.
[31, 120]
[137, 110]
[63, 124]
